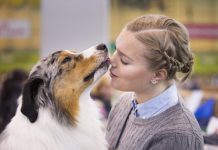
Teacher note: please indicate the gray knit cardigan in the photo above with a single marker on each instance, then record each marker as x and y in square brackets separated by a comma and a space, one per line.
[174, 129]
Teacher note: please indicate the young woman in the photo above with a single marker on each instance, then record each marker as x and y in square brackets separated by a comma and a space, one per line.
[152, 52]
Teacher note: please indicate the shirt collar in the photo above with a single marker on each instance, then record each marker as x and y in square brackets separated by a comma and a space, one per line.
[158, 104]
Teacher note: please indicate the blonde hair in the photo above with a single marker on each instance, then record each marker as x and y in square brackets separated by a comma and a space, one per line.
[168, 44]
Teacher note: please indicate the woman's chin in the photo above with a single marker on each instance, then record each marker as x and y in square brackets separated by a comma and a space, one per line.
[114, 84]
[117, 86]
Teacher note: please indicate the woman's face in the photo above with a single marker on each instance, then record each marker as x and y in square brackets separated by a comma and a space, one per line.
[129, 71]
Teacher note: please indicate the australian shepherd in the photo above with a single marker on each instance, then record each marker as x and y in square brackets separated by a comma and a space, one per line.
[55, 111]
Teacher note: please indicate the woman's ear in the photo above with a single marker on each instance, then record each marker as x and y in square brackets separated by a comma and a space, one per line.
[160, 75]
[29, 104]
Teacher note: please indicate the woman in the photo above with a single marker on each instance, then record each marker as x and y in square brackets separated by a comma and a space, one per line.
[152, 52]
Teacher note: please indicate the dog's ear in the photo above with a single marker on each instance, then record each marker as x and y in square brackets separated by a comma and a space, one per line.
[29, 105]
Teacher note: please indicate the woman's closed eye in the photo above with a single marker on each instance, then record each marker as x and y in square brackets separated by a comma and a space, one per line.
[123, 61]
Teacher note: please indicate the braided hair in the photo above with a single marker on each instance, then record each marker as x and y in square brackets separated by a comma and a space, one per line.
[167, 42]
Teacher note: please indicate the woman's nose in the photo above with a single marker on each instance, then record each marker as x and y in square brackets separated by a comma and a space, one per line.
[112, 60]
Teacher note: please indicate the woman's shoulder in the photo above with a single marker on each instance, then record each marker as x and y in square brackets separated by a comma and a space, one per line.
[181, 128]
[124, 99]
[118, 113]
[181, 122]
[122, 104]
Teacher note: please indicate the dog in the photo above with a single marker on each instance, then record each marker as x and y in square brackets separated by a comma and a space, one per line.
[55, 111]
[9, 93]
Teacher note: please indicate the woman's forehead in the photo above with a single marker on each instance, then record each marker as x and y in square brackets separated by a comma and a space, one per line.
[129, 45]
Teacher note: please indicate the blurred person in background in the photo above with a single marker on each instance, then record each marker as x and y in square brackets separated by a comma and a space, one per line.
[152, 52]
[10, 91]
[211, 135]
[102, 93]
[211, 139]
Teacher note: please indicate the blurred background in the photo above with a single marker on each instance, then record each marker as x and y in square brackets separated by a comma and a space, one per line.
[30, 29]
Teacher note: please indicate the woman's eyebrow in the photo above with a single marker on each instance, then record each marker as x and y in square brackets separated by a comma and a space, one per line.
[119, 52]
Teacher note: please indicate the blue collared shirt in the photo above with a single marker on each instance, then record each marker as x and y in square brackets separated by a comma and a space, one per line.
[156, 105]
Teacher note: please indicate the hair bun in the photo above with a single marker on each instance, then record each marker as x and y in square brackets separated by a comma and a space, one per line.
[186, 68]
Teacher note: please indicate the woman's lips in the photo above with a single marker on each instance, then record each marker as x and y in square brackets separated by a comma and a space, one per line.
[112, 75]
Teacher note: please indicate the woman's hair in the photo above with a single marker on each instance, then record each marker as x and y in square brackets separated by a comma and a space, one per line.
[168, 44]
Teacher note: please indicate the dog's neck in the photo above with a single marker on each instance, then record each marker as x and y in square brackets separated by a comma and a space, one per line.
[48, 129]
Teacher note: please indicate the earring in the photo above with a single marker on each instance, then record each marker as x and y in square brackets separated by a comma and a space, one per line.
[153, 81]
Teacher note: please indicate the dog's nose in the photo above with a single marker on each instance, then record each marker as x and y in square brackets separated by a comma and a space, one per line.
[102, 47]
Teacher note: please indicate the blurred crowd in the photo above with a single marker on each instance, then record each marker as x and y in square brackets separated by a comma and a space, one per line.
[201, 98]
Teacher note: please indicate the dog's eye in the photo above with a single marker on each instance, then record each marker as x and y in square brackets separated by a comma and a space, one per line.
[66, 59]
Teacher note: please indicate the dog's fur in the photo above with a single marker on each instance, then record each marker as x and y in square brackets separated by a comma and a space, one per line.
[55, 111]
